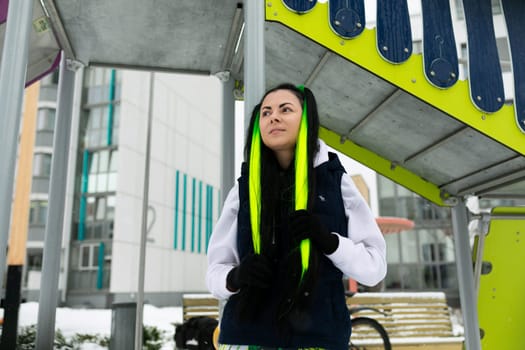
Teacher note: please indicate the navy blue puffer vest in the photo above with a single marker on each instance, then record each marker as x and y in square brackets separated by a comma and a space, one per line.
[327, 321]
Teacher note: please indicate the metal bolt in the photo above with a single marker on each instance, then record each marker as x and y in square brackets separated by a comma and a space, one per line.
[269, 4]
[337, 23]
[358, 25]
[342, 42]
[478, 98]
[453, 75]
[413, 80]
[499, 99]
[385, 48]
[406, 49]
[483, 117]
[432, 73]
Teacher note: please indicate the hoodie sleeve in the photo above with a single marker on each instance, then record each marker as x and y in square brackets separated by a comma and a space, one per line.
[222, 248]
[362, 255]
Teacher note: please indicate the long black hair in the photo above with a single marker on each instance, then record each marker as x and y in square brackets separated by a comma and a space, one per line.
[277, 201]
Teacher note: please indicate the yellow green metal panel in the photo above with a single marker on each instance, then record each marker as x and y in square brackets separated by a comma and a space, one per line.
[455, 101]
[501, 303]
[384, 167]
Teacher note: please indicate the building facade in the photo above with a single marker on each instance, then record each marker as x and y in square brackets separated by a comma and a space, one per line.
[103, 222]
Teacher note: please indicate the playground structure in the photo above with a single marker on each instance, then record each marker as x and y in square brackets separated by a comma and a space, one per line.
[407, 116]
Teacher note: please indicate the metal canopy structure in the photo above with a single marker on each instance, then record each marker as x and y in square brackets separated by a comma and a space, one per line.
[389, 117]
[404, 115]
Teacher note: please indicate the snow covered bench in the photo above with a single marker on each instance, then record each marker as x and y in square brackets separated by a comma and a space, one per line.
[419, 320]
[199, 305]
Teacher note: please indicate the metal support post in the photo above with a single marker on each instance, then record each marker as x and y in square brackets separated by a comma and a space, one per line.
[144, 226]
[12, 80]
[254, 56]
[49, 296]
[228, 138]
[465, 276]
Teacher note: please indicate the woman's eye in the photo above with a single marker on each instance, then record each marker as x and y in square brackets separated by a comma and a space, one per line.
[265, 113]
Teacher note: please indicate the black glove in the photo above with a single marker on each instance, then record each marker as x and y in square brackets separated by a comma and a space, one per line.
[304, 225]
[254, 270]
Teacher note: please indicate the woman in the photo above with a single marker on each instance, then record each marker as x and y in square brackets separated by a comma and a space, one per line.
[290, 228]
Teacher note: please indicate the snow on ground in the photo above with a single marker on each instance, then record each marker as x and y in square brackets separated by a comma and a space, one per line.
[98, 321]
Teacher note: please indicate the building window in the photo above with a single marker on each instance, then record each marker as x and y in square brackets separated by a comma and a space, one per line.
[103, 171]
[38, 212]
[88, 257]
[42, 165]
[46, 119]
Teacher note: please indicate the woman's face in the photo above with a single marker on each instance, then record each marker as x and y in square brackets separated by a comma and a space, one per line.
[279, 121]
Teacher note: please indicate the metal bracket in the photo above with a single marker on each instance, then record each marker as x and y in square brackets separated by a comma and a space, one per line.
[73, 65]
[481, 231]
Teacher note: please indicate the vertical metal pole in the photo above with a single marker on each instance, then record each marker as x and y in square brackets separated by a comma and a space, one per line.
[228, 138]
[70, 185]
[465, 276]
[254, 56]
[12, 80]
[145, 199]
[48, 300]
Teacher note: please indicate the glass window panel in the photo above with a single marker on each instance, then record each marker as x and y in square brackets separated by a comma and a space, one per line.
[90, 208]
[41, 119]
[104, 114]
[33, 211]
[112, 182]
[409, 251]
[84, 256]
[386, 187]
[446, 251]
[113, 161]
[46, 165]
[431, 276]
[95, 118]
[449, 277]
[393, 277]
[110, 210]
[115, 136]
[94, 261]
[42, 212]
[387, 206]
[92, 184]
[37, 164]
[411, 275]
[101, 209]
[102, 182]
[392, 251]
[116, 115]
[103, 161]
[404, 192]
[93, 164]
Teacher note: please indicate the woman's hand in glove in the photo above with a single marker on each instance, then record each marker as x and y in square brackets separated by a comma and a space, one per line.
[304, 225]
[254, 270]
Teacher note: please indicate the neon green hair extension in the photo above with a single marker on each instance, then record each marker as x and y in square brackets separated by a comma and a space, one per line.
[301, 183]
[301, 180]
[254, 186]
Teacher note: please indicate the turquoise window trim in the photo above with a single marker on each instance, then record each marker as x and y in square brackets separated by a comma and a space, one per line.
[111, 107]
[100, 272]
[83, 200]
[176, 228]
[209, 206]
[193, 185]
[200, 217]
[184, 211]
